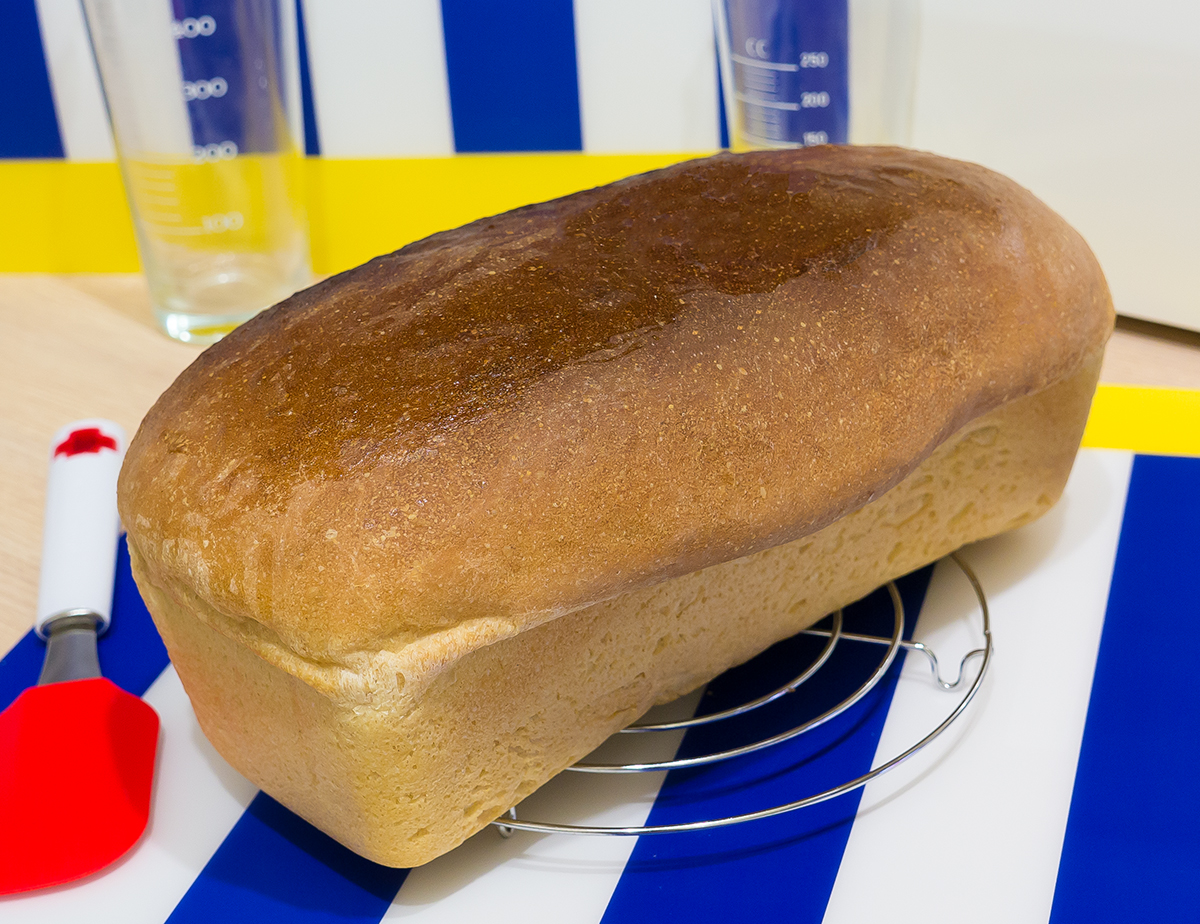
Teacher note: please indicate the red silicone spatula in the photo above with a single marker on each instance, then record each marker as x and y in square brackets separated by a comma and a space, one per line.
[76, 751]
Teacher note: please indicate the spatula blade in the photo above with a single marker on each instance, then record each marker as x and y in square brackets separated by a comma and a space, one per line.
[76, 773]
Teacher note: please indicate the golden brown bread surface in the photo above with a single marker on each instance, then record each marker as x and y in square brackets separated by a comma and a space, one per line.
[411, 466]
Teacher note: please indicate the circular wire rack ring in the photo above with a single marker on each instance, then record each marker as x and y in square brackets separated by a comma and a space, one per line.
[509, 823]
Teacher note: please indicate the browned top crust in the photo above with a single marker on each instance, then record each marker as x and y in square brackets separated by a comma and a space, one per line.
[536, 411]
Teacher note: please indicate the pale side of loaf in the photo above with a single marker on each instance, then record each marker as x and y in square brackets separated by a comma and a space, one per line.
[423, 535]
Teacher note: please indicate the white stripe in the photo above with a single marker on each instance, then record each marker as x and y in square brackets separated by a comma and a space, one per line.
[647, 75]
[554, 878]
[82, 121]
[198, 798]
[289, 37]
[883, 66]
[378, 71]
[143, 76]
[974, 830]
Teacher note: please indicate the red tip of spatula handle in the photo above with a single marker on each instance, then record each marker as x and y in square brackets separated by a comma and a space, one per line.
[76, 769]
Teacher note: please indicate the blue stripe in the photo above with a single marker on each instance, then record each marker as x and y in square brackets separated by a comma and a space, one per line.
[312, 140]
[781, 868]
[275, 867]
[1132, 845]
[244, 51]
[513, 80]
[132, 654]
[28, 121]
[798, 32]
[722, 118]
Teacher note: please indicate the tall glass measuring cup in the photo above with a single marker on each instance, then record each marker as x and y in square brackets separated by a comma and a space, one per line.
[204, 101]
[803, 72]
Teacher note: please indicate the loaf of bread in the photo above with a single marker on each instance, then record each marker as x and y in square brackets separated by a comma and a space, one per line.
[423, 535]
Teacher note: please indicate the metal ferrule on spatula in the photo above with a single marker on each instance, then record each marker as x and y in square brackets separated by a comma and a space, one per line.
[79, 547]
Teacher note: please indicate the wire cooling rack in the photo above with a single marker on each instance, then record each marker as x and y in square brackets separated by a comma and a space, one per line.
[835, 636]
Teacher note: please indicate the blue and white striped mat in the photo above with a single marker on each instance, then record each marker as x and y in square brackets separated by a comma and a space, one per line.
[1065, 794]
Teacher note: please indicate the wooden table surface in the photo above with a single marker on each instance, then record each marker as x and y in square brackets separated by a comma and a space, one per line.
[86, 346]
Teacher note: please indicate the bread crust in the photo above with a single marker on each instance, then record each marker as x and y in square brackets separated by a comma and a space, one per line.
[404, 785]
[513, 420]
[424, 534]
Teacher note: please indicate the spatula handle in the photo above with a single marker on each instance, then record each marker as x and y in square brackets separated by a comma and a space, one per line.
[79, 539]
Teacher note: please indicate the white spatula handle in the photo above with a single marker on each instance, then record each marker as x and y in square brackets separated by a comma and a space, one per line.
[79, 539]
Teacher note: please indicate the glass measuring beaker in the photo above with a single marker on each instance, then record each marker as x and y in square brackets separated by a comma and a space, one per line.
[804, 72]
[203, 98]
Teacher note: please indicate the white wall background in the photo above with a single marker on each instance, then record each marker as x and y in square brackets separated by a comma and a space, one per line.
[1094, 105]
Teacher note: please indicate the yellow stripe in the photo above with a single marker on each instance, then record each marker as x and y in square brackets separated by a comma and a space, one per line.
[362, 208]
[60, 217]
[1164, 421]
[67, 217]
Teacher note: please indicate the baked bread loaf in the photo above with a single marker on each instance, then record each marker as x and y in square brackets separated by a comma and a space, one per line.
[426, 533]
